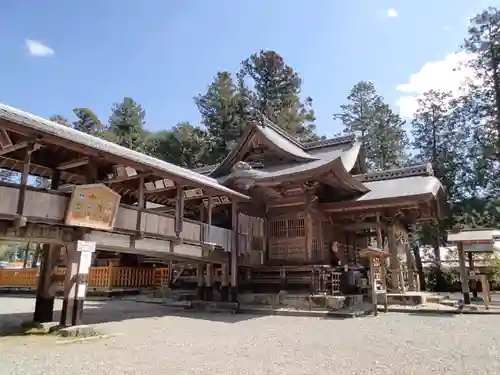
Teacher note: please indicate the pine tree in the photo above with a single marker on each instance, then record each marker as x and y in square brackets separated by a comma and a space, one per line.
[483, 109]
[276, 94]
[484, 43]
[224, 114]
[357, 116]
[184, 145]
[386, 139]
[87, 121]
[382, 130]
[126, 124]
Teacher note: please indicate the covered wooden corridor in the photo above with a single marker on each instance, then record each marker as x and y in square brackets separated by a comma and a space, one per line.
[98, 192]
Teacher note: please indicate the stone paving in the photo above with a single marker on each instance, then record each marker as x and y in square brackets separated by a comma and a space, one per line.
[154, 339]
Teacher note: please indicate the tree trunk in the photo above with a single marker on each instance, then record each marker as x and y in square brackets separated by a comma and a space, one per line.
[36, 256]
[437, 269]
[26, 254]
[420, 268]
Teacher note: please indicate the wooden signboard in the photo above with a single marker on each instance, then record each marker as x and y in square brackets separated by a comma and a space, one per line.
[93, 206]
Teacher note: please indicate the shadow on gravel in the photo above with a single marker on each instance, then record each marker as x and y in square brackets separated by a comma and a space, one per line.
[106, 311]
[434, 314]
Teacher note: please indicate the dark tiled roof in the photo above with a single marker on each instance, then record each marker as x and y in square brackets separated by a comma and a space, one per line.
[329, 142]
[417, 170]
[313, 145]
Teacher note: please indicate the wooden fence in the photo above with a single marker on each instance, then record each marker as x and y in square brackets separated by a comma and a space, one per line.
[107, 278]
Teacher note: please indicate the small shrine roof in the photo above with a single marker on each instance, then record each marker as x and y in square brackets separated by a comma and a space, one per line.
[409, 181]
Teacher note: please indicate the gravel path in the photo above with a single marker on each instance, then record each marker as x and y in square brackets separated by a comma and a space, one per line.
[163, 341]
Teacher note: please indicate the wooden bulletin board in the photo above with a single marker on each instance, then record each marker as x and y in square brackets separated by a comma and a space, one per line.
[93, 206]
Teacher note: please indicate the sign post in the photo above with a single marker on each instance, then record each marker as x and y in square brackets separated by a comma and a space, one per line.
[90, 207]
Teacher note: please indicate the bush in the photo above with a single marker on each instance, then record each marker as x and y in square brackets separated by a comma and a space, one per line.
[450, 281]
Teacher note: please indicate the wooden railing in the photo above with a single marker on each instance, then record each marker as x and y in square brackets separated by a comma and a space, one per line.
[99, 277]
[218, 236]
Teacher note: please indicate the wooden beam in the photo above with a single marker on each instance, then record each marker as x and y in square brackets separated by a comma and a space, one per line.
[70, 164]
[16, 147]
[117, 180]
[363, 226]
[179, 211]
[5, 140]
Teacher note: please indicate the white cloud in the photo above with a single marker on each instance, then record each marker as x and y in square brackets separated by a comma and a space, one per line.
[391, 12]
[446, 28]
[445, 75]
[36, 48]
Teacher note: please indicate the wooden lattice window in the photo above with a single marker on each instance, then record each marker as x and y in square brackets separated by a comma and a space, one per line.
[287, 228]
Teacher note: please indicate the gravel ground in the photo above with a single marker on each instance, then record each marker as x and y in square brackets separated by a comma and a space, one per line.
[156, 340]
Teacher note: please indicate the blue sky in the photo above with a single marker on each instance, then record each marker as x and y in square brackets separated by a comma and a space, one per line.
[162, 52]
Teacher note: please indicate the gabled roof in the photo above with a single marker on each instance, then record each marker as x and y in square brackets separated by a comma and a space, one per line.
[336, 163]
[274, 138]
[298, 153]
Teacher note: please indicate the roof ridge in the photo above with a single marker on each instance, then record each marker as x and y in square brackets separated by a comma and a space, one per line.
[329, 142]
[205, 168]
[415, 170]
[266, 122]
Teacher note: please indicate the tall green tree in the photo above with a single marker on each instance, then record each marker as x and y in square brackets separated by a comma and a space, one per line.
[276, 94]
[357, 115]
[439, 138]
[87, 121]
[126, 124]
[387, 141]
[224, 113]
[183, 145]
[434, 135]
[483, 42]
[382, 130]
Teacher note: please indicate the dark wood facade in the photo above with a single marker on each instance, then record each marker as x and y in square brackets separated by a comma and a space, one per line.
[321, 206]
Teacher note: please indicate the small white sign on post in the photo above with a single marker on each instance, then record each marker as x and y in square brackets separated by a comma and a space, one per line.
[86, 249]
[85, 246]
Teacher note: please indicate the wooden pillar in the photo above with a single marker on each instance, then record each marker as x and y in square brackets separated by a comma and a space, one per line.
[200, 274]
[382, 262]
[410, 264]
[179, 211]
[373, 286]
[76, 278]
[36, 256]
[234, 252]
[209, 219]
[473, 283]
[26, 254]
[209, 289]
[72, 310]
[170, 276]
[308, 238]
[224, 289]
[44, 305]
[265, 257]
[68, 307]
[463, 273]
[141, 204]
[394, 261]
[20, 220]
